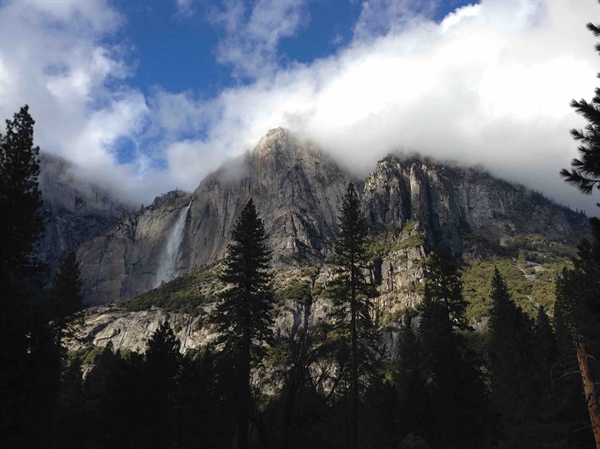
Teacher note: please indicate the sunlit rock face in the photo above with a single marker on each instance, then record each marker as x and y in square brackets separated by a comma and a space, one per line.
[76, 211]
[298, 191]
[455, 204]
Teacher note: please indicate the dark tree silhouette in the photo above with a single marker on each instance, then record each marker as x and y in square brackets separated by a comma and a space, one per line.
[20, 229]
[351, 296]
[512, 366]
[578, 301]
[65, 298]
[243, 316]
[585, 173]
[162, 367]
[444, 283]
[460, 417]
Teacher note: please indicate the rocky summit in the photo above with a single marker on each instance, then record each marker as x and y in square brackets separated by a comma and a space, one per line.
[298, 189]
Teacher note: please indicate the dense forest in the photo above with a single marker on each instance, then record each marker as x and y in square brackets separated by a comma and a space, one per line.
[523, 381]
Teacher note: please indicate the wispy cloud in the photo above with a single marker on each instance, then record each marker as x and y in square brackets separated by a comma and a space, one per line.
[253, 32]
[490, 84]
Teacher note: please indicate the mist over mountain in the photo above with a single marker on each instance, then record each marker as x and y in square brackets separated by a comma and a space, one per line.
[298, 189]
[76, 209]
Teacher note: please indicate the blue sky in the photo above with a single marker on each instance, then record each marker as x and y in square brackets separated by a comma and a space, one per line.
[147, 96]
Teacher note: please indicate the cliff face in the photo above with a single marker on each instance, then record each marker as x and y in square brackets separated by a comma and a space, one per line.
[76, 210]
[125, 259]
[298, 192]
[453, 204]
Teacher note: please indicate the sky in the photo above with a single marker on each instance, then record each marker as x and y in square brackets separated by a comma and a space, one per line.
[148, 96]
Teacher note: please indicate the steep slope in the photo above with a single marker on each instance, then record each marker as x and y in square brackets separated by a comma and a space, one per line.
[417, 204]
[297, 191]
[76, 210]
[454, 205]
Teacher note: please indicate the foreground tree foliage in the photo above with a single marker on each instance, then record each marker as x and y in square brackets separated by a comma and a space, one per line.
[454, 383]
[585, 173]
[351, 301]
[20, 229]
[243, 317]
[578, 299]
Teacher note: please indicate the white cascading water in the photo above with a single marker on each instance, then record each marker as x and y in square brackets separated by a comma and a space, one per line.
[168, 269]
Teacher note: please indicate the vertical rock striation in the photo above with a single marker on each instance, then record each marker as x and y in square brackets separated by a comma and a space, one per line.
[298, 191]
[76, 210]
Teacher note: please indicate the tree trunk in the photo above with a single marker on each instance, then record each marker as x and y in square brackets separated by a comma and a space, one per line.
[588, 389]
[354, 415]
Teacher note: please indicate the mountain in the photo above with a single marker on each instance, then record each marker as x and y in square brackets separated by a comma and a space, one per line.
[76, 210]
[296, 188]
[412, 204]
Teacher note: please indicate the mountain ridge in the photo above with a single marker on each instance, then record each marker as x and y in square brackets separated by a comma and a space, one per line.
[298, 191]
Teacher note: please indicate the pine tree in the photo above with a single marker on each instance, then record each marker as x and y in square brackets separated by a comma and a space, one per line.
[578, 290]
[21, 227]
[411, 386]
[65, 298]
[445, 284]
[243, 317]
[22, 221]
[585, 173]
[577, 314]
[162, 366]
[351, 296]
[513, 368]
[460, 417]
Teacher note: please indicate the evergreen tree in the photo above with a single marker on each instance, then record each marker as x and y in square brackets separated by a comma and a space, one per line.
[114, 402]
[444, 283]
[513, 368]
[21, 227]
[68, 423]
[578, 300]
[413, 401]
[243, 316]
[577, 314]
[585, 173]
[65, 298]
[460, 417]
[162, 367]
[22, 221]
[351, 298]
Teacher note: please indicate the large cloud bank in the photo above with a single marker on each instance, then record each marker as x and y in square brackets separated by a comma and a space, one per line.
[490, 84]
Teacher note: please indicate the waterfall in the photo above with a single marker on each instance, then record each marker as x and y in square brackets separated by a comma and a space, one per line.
[167, 268]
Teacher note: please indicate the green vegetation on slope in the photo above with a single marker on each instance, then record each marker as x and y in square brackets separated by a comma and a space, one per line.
[184, 294]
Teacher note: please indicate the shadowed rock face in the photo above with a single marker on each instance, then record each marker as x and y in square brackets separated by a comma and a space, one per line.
[76, 211]
[298, 192]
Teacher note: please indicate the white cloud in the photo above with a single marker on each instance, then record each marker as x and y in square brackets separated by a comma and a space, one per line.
[54, 59]
[251, 39]
[383, 17]
[491, 84]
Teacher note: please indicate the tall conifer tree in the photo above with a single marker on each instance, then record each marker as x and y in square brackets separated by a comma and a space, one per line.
[65, 298]
[513, 367]
[352, 295]
[578, 290]
[21, 227]
[454, 382]
[244, 314]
